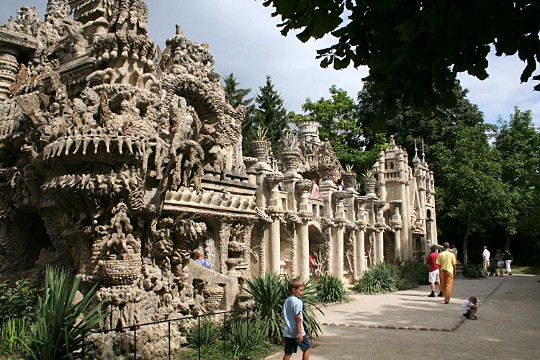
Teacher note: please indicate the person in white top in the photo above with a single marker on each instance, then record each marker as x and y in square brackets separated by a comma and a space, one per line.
[485, 261]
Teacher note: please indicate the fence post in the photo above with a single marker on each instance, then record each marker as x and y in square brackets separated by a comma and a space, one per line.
[223, 337]
[135, 342]
[199, 335]
[169, 329]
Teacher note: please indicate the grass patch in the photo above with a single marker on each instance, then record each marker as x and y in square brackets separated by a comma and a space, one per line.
[215, 352]
[525, 270]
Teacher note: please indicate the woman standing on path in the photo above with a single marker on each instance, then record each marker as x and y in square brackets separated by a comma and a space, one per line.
[500, 261]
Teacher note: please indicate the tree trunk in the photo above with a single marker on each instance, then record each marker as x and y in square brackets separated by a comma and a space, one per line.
[507, 240]
[466, 240]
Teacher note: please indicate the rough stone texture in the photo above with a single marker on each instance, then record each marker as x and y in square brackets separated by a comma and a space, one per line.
[117, 160]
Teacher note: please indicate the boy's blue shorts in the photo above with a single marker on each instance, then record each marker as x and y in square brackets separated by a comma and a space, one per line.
[292, 344]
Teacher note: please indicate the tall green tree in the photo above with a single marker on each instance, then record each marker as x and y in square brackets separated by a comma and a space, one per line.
[238, 96]
[518, 142]
[472, 199]
[409, 126]
[269, 113]
[414, 48]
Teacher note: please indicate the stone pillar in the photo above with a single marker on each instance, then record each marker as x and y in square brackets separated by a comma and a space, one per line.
[302, 232]
[360, 248]
[338, 240]
[396, 225]
[275, 210]
[360, 252]
[9, 68]
[379, 246]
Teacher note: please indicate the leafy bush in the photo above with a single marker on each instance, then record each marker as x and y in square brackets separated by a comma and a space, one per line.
[412, 273]
[17, 301]
[472, 271]
[61, 324]
[14, 335]
[381, 278]
[330, 289]
[204, 335]
[270, 292]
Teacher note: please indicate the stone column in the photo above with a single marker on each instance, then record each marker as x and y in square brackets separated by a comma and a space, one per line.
[8, 70]
[359, 249]
[275, 210]
[379, 249]
[396, 225]
[338, 240]
[302, 232]
[379, 236]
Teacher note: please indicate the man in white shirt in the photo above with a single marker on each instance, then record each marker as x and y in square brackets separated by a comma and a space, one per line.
[485, 261]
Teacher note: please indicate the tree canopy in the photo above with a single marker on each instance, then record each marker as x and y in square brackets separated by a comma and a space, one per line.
[414, 49]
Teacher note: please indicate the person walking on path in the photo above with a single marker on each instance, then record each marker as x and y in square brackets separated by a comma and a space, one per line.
[447, 270]
[431, 260]
[454, 250]
[293, 329]
[485, 261]
[507, 261]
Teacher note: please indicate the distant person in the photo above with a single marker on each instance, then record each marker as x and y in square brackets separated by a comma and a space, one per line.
[431, 260]
[314, 190]
[199, 259]
[508, 260]
[485, 261]
[500, 261]
[447, 270]
[339, 185]
[293, 329]
[454, 250]
[469, 308]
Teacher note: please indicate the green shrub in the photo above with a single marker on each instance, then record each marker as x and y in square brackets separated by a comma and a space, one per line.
[17, 301]
[270, 292]
[246, 336]
[472, 271]
[204, 335]
[381, 278]
[330, 289]
[14, 336]
[412, 273]
[58, 331]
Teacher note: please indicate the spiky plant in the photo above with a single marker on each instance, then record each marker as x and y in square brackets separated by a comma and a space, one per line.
[58, 333]
[270, 292]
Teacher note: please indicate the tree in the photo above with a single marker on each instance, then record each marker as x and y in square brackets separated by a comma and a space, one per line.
[471, 196]
[519, 145]
[415, 49]
[236, 97]
[337, 119]
[269, 112]
[409, 126]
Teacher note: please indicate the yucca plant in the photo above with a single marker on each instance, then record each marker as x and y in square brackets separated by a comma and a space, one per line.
[59, 330]
[270, 292]
[381, 278]
[330, 289]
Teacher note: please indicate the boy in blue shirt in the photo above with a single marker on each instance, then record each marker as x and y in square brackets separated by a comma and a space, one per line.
[293, 331]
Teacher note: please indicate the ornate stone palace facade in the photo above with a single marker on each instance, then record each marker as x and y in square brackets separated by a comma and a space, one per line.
[117, 160]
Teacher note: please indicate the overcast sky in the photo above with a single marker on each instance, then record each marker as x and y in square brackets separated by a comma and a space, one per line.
[244, 41]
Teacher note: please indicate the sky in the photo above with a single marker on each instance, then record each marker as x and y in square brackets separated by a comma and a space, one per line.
[245, 41]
